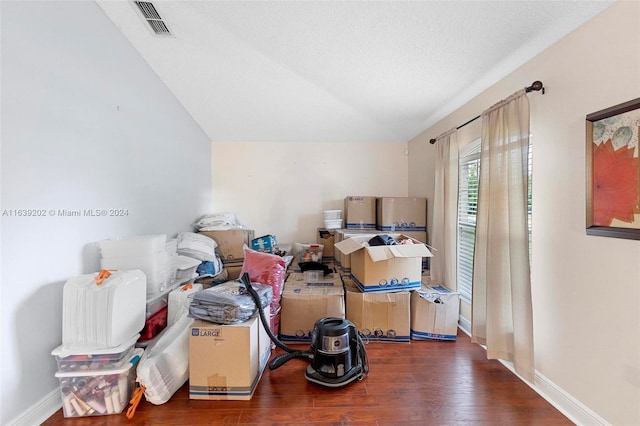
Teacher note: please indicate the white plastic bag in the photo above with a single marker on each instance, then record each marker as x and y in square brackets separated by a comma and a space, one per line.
[164, 366]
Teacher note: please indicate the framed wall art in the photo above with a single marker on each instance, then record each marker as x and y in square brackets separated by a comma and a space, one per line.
[613, 171]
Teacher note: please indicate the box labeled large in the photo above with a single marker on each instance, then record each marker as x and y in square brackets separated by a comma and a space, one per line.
[385, 267]
[360, 212]
[399, 214]
[380, 317]
[227, 361]
[434, 313]
[231, 244]
[306, 301]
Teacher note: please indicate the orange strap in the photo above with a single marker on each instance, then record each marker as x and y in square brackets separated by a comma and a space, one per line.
[187, 286]
[102, 275]
[135, 400]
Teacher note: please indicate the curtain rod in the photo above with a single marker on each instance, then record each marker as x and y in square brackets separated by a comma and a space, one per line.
[535, 86]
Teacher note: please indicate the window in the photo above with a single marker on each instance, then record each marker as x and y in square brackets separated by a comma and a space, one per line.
[469, 174]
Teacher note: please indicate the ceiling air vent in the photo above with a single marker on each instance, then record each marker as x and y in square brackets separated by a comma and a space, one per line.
[153, 18]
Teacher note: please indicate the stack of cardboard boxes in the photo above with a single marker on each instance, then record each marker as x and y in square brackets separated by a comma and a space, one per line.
[231, 248]
[381, 289]
[367, 215]
[226, 361]
[378, 286]
[387, 294]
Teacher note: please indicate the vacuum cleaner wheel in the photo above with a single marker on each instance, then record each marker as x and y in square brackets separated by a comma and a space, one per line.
[315, 377]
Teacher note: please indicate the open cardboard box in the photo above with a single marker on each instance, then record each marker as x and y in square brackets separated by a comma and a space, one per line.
[387, 267]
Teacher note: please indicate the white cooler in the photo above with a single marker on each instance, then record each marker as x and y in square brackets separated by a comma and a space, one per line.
[106, 315]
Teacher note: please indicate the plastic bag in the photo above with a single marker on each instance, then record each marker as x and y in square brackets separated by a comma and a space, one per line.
[268, 269]
[164, 365]
[228, 303]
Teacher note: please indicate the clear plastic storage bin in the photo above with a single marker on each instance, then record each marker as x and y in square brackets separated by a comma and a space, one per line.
[79, 359]
[98, 392]
[309, 252]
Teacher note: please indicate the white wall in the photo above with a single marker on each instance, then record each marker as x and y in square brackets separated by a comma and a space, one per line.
[283, 188]
[586, 289]
[85, 125]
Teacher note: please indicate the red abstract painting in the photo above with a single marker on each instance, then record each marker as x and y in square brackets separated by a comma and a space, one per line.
[616, 184]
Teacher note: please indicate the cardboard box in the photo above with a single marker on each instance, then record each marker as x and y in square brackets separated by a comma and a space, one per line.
[416, 235]
[343, 261]
[360, 212]
[434, 313]
[303, 303]
[380, 317]
[387, 267]
[231, 244]
[400, 214]
[227, 361]
[233, 271]
[326, 238]
[422, 237]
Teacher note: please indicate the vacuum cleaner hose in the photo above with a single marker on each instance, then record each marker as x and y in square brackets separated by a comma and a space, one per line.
[279, 360]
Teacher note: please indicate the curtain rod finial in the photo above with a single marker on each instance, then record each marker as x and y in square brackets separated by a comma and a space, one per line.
[535, 86]
[432, 141]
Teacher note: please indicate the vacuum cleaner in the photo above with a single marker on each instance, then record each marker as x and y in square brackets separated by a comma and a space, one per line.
[337, 355]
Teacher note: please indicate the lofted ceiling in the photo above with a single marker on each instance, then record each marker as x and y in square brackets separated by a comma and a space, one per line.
[338, 71]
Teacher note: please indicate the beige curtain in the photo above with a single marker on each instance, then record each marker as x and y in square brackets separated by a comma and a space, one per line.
[502, 317]
[445, 211]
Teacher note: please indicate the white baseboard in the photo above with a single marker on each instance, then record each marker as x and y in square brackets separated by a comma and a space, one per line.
[565, 403]
[464, 325]
[40, 411]
[573, 409]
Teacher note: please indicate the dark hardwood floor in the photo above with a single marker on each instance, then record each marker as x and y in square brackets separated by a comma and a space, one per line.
[417, 383]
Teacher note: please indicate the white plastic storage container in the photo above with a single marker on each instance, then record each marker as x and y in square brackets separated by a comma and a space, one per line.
[333, 223]
[332, 215]
[152, 254]
[75, 359]
[98, 392]
[139, 245]
[157, 268]
[179, 300]
[156, 302]
[105, 315]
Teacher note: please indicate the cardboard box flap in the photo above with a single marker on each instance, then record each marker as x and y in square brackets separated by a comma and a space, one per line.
[351, 245]
[432, 294]
[380, 253]
[410, 250]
